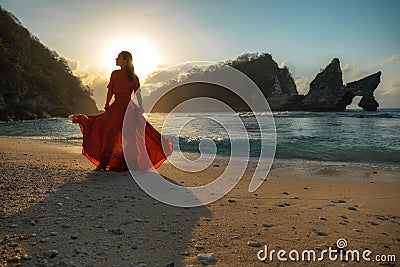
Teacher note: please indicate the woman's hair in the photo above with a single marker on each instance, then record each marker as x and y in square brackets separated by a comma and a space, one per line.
[128, 68]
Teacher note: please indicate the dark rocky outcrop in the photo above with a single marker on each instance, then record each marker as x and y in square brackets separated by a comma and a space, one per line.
[326, 90]
[365, 88]
[34, 81]
[274, 82]
[265, 72]
[328, 93]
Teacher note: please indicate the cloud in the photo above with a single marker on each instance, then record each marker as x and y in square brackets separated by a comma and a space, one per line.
[160, 77]
[73, 64]
[392, 87]
[290, 66]
[97, 78]
[390, 60]
[94, 77]
[157, 79]
[388, 94]
[99, 89]
[303, 84]
[352, 73]
[163, 75]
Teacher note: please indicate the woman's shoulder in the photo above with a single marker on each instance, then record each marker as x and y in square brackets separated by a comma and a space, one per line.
[116, 75]
[114, 72]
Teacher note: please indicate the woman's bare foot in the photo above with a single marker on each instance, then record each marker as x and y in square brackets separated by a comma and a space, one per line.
[100, 169]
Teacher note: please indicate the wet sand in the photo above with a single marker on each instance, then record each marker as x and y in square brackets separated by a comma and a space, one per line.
[56, 211]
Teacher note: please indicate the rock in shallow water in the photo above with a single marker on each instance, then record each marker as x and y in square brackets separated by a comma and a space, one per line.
[328, 93]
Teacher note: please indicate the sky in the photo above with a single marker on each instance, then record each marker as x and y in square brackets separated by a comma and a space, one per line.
[304, 35]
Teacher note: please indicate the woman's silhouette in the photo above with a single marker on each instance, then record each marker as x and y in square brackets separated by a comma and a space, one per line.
[102, 134]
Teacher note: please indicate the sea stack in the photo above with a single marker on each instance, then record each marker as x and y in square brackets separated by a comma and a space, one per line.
[328, 93]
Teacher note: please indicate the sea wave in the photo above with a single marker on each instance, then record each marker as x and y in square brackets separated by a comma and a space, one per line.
[325, 136]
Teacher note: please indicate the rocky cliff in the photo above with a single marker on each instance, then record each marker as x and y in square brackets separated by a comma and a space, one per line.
[274, 82]
[326, 90]
[365, 88]
[328, 93]
[265, 72]
[34, 81]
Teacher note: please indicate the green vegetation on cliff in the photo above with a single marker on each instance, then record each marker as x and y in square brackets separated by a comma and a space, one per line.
[34, 81]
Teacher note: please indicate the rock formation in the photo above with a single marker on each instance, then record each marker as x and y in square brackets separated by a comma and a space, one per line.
[265, 72]
[276, 84]
[328, 93]
[365, 88]
[326, 90]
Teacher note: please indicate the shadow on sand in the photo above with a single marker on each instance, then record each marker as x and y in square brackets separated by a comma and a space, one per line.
[103, 220]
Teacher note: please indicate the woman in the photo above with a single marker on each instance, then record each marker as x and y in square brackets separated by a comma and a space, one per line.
[105, 138]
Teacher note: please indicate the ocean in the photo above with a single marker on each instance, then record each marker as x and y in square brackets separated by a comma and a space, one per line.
[353, 135]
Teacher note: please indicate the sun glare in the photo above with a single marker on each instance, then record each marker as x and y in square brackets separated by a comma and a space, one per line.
[144, 55]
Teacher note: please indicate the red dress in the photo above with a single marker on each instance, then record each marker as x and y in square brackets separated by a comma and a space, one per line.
[104, 137]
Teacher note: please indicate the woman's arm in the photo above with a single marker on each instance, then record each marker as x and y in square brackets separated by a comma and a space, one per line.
[108, 99]
[139, 99]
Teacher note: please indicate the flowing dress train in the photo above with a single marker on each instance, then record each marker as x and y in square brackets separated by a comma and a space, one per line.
[111, 144]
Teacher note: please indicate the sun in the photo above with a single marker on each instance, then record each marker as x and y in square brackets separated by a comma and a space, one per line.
[144, 55]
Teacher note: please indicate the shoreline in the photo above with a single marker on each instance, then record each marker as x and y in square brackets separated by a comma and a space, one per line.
[75, 144]
[329, 169]
[57, 210]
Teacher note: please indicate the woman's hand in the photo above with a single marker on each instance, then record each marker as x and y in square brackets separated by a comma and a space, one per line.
[140, 109]
[108, 99]
[140, 102]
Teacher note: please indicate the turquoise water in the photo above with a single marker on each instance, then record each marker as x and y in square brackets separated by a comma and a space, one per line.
[325, 136]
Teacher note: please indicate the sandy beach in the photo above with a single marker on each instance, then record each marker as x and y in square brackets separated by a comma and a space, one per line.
[56, 211]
